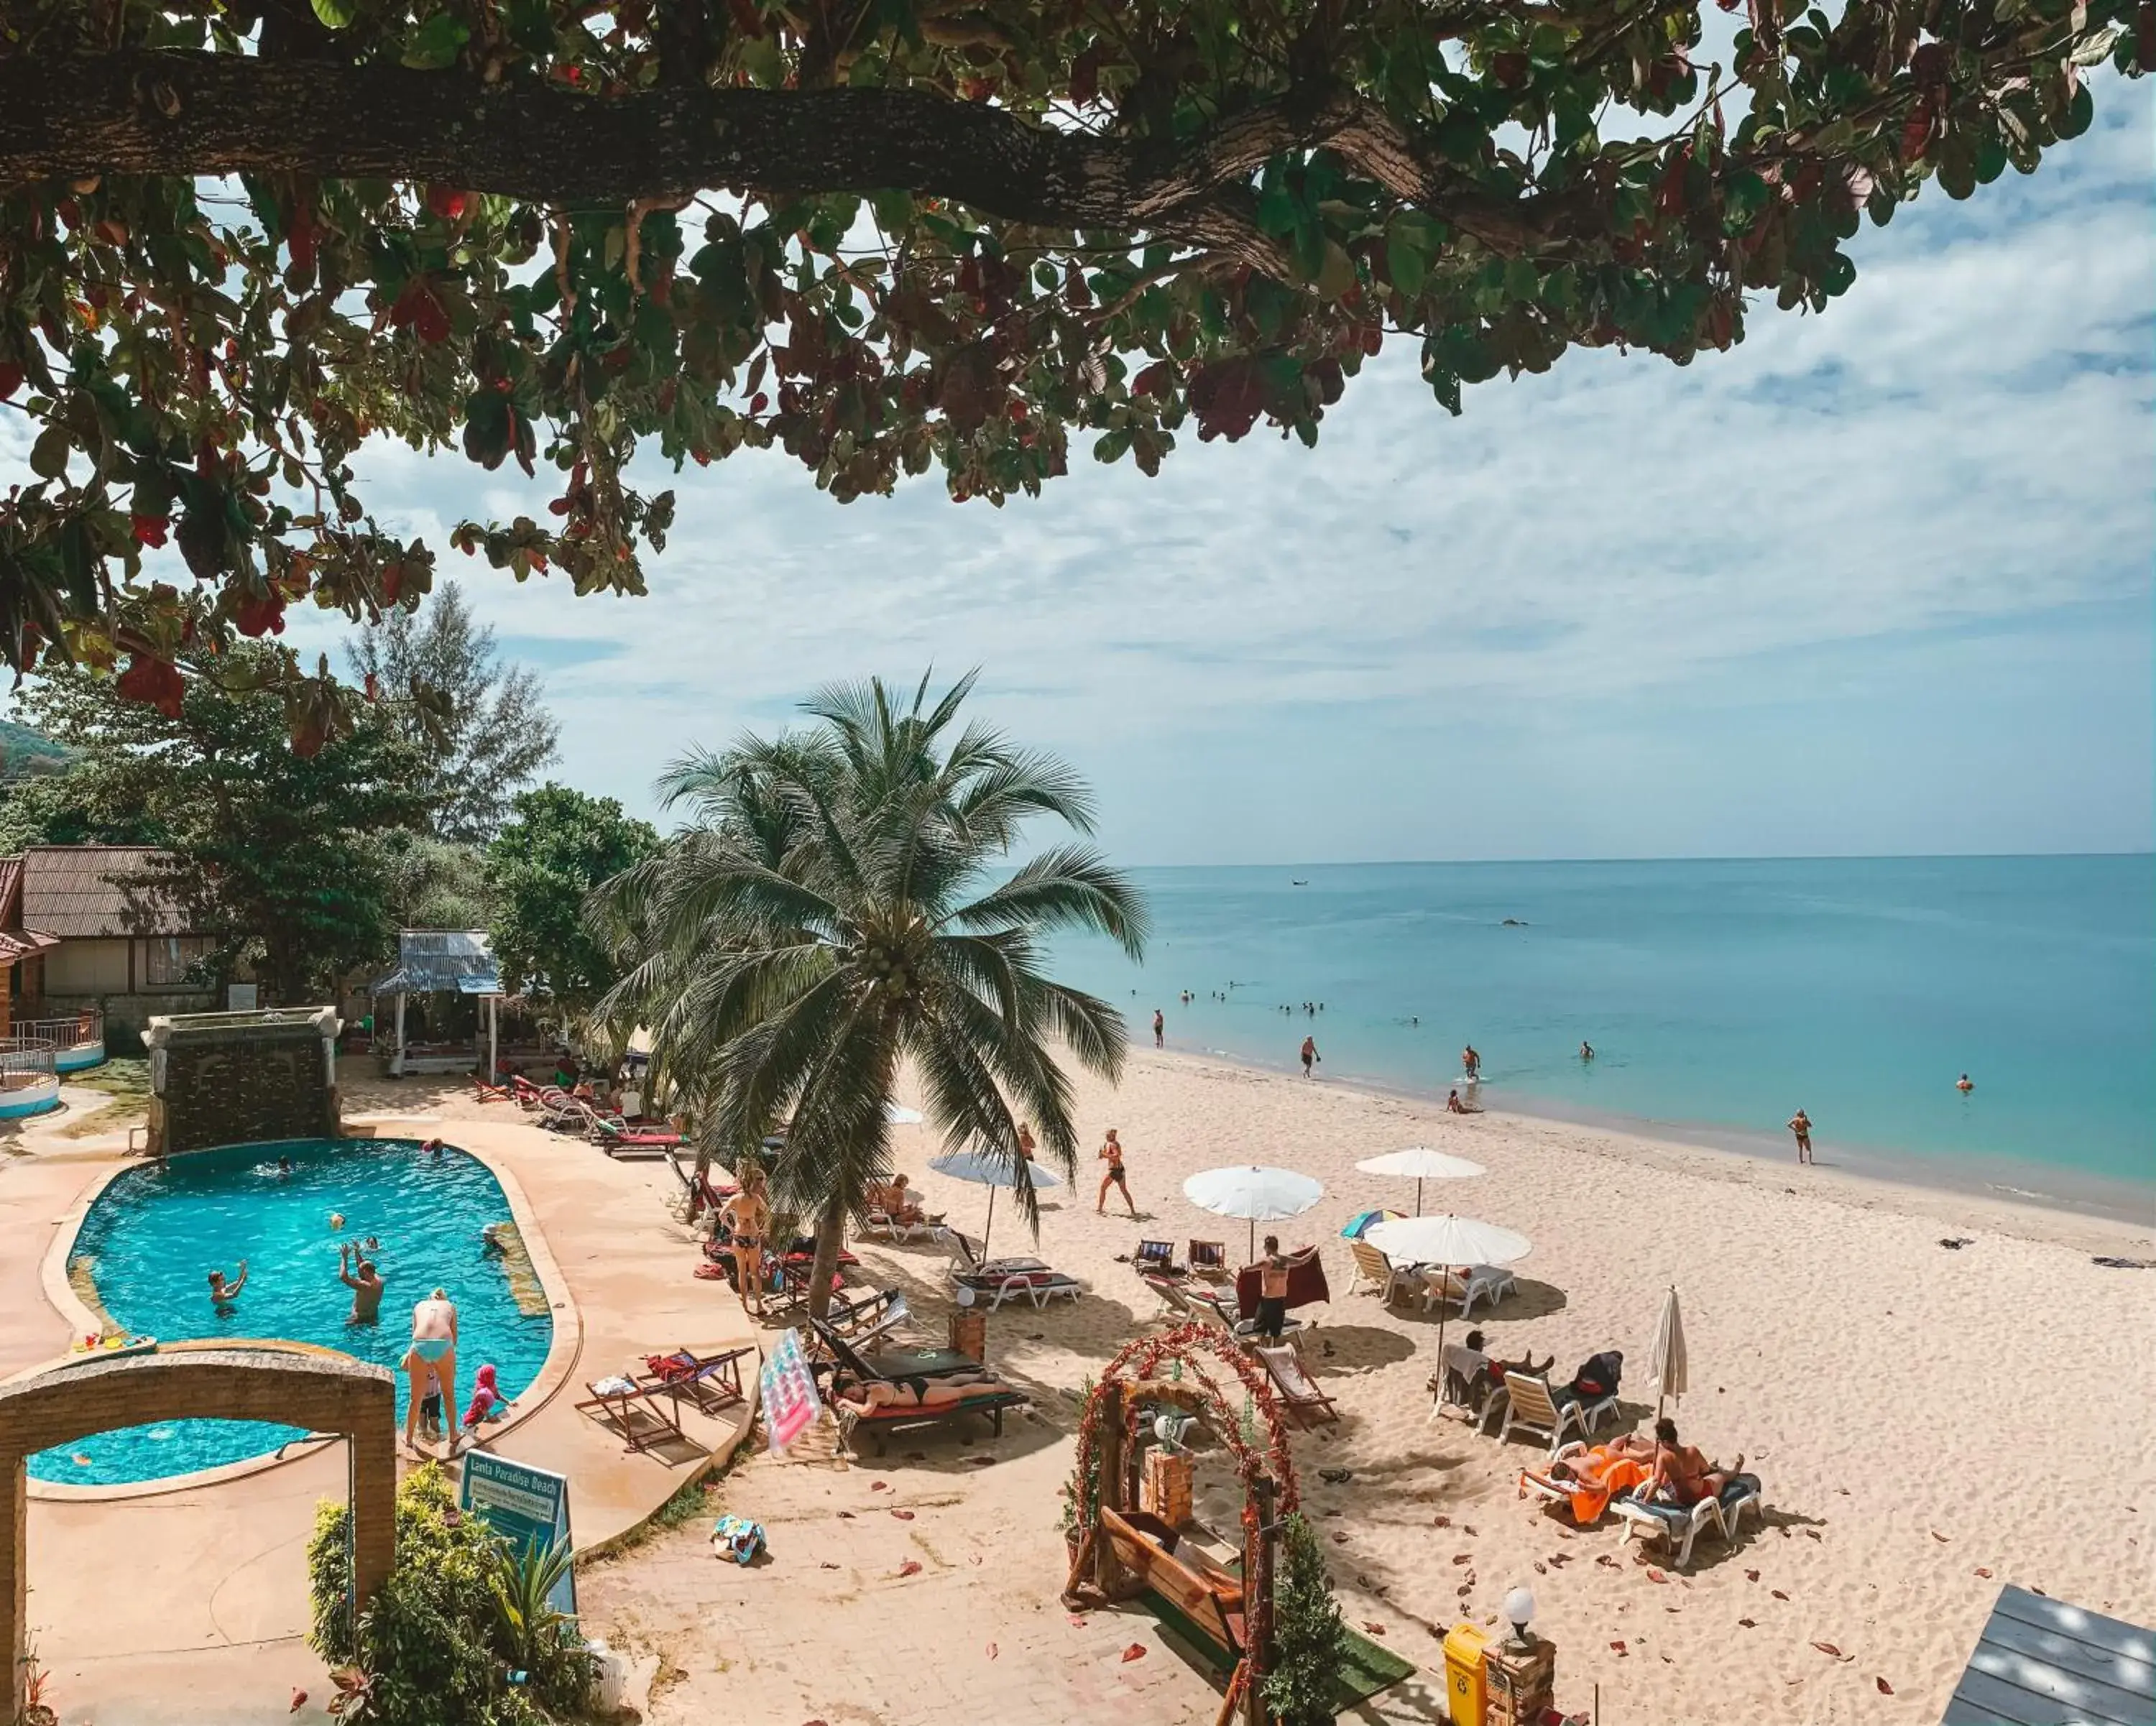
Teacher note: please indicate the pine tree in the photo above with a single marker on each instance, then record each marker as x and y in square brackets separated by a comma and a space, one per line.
[1310, 1642]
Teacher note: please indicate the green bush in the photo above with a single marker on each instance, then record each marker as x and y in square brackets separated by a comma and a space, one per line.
[1310, 1643]
[460, 1635]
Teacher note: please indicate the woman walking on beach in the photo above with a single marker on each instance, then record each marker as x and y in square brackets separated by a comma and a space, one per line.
[1111, 1154]
[1159, 1030]
[1801, 1123]
[1310, 1054]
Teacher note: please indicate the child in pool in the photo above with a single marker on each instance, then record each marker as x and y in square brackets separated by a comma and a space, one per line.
[487, 1403]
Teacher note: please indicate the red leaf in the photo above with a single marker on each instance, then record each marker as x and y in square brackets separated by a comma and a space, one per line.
[1751, 1575]
[1655, 1575]
[260, 616]
[150, 679]
[448, 202]
[903, 1515]
[1135, 1651]
[1463, 1558]
[1373, 1627]
[1828, 1648]
[11, 379]
[299, 1701]
[1777, 1593]
[1620, 1649]
[1984, 1572]
[911, 1567]
[879, 1486]
[1440, 1522]
[1749, 1624]
[1885, 1688]
[992, 1651]
[419, 306]
[1938, 1537]
[149, 530]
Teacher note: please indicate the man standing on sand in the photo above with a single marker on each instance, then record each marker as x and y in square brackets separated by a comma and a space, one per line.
[1801, 1123]
[1310, 1054]
[1159, 1030]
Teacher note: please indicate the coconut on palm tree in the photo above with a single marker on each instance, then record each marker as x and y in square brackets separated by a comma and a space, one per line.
[837, 910]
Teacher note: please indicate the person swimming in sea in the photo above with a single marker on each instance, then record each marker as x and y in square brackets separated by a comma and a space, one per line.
[1587, 1052]
[223, 1292]
[1964, 1084]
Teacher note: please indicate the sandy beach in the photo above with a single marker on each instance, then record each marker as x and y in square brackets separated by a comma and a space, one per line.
[1928, 1424]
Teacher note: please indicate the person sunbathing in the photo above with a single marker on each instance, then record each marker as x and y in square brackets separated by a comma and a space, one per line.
[1594, 1476]
[1683, 1474]
[1481, 1373]
[878, 1394]
[1592, 1466]
[898, 1203]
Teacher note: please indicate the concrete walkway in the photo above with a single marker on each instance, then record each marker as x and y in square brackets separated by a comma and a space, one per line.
[190, 1605]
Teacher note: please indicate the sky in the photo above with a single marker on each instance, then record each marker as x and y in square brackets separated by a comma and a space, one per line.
[1877, 582]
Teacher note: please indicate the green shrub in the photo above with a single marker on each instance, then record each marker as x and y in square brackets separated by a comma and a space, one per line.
[1310, 1643]
[460, 1634]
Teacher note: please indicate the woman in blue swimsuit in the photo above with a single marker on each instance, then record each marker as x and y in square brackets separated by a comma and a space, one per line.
[433, 1357]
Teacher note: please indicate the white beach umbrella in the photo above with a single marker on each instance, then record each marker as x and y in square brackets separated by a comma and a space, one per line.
[1420, 1163]
[1447, 1241]
[1667, 1367]
[899, 1115]
[1255, 1194]
[984, 1169]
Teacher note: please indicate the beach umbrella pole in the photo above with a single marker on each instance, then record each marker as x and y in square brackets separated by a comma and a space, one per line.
[1418, 1195]
[988, 1227]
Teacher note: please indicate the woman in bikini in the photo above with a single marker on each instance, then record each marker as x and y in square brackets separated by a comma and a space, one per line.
[1682, 1474]
[434, 1357]
[746, 1218]
[1111, 1154]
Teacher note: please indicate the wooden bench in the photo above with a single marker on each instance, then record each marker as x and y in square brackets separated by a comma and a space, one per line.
[1203, 1600]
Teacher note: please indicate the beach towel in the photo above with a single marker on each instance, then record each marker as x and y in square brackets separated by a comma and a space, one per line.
[1598, 1477]
[1306, 1282]
[738, 1538]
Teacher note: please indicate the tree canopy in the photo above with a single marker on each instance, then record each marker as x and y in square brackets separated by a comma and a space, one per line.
[482, 726]
[283, 859]
[558, 846]
[239, 238]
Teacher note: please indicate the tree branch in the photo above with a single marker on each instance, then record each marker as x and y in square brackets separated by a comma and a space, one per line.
[169, 112]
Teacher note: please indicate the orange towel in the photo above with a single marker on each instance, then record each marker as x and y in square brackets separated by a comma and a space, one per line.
[1598, 1477]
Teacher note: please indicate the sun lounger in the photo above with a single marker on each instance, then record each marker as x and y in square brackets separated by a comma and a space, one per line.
[1168, 1290]
[1307, 1403]
[635, 1412]
[1678, 1527]
[1155, 1256]
[997, 1280]
[1207, 1258]
[868, 1320]
[1218, 1307]
[1374, 1270]
[711, 1383]
[1464, 1286]
[895, 1367]
[1531, 1407]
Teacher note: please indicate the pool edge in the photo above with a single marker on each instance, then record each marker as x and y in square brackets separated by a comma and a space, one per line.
[562, 1352]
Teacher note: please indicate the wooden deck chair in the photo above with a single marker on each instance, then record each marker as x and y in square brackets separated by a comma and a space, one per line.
[1532, 1405]
[1374, 1270]
[1307, 1403]
[1207, 1258]
[1155, 1256]
[710, 1382]
[635, 1412]
[868, 1320]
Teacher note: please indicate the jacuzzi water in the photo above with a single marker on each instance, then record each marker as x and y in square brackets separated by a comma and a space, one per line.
[155, 1233]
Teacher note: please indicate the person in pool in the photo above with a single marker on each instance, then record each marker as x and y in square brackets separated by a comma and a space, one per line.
[358, 1275]
[222, 1292]
[432, 1148]
[434, 1355]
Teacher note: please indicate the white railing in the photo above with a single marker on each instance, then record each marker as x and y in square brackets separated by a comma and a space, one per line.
[29, 1076]
[66, 1031]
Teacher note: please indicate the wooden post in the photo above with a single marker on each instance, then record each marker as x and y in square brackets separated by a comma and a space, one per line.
[1107, 1576]
[1258, 1601]
[493, 1036]
[397, 1065]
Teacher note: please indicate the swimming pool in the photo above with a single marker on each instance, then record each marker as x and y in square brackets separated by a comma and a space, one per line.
[153, 1235]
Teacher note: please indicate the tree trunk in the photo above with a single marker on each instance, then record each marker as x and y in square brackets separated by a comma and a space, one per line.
[831, 1236]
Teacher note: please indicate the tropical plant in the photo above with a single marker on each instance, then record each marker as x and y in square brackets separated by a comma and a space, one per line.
[481, 726]
[241, 237]
[830, 915]
[1310, 1641]
[441, 1643]
[557, 845]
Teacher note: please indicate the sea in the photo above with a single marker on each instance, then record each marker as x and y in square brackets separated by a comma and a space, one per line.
[1719, 997]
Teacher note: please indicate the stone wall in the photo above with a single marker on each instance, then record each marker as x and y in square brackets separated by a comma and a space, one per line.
[240, 1078]
[324, 1393]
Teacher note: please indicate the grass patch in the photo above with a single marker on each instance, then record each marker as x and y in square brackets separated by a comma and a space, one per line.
[127, 1082]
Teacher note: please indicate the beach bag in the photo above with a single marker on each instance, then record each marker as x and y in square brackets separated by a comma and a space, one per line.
[1597, 1376]
[738, 1538]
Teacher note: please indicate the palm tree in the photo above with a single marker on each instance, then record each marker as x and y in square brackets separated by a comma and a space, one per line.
[831, 913]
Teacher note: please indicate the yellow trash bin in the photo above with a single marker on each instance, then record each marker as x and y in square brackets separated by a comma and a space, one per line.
[1464, 1681]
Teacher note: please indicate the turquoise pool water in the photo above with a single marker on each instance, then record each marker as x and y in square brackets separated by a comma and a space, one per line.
[154, 1234]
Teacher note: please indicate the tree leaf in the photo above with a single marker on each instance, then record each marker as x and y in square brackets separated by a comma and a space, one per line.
[437, 43]
[336, 14]
[49, 455]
